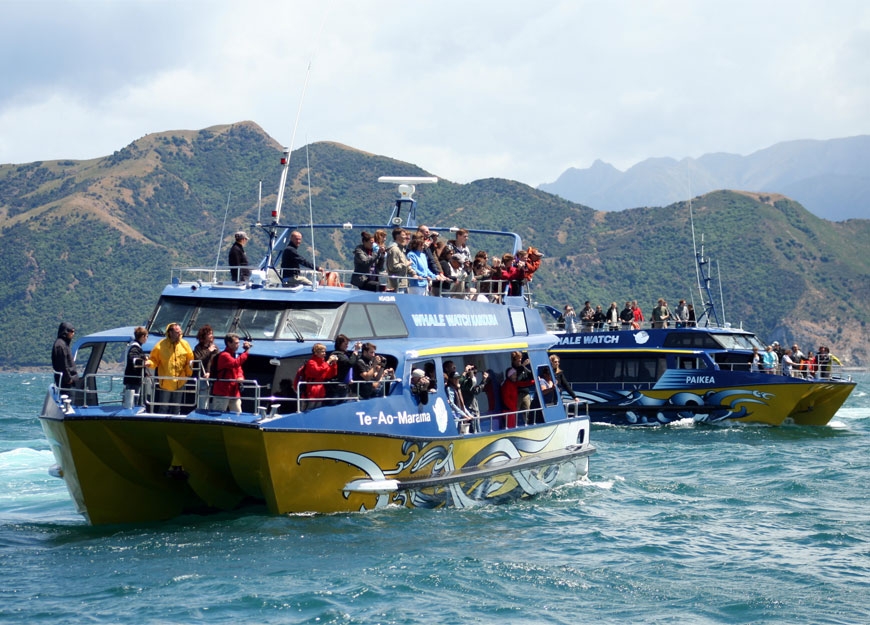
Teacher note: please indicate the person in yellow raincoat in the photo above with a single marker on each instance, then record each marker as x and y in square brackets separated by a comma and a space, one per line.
[172, 357]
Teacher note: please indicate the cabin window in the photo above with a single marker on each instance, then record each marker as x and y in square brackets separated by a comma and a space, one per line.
[737, 341]
[309, 323]
[547, 384]
[260, 324]
[701, 340]
[373, 320]
[172, 311]
[218, 315]
[626, 369]
[690, 362]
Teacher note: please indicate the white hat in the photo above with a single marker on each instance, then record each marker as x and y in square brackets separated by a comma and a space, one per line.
[418, 373]
[241, 234]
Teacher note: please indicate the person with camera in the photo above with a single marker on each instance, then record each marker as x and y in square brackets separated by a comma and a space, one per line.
[137, 363]
[227, 389]
[525, 381]
[370, 370]
[345, 360]
[470, 388]
[317, 370]
[420, 386]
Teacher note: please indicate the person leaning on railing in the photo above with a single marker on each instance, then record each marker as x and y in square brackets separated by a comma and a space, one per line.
[137, 364]
[171, 358]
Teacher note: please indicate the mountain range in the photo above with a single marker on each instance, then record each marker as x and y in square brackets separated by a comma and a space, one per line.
[92, 242]
[829, 178]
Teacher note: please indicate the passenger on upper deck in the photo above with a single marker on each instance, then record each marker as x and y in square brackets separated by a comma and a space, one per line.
[459, 245]
[638, 313]
[586, 316]
[420, 266]
[612, 317]
[238, 260]
[514, 272]
[398, 265]
[598, 318]
[626, 317]
[681, 315]
[292, 261]
[365, 264]
[568, 319]
[661, 314]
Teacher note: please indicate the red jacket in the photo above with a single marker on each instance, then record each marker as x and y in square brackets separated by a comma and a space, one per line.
[229, 369]
[317, 370]
[509, 401]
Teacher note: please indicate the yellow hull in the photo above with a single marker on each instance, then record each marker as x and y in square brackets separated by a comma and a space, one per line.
[812, 403]
[820, 405]
[121, 470]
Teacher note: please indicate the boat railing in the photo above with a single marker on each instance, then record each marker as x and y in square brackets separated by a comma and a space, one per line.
[579, 326]
[484, 290]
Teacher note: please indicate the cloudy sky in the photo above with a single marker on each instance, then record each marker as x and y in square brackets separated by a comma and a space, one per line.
[465, 89]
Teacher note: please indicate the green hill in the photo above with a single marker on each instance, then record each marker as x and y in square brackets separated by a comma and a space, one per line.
[92, 242]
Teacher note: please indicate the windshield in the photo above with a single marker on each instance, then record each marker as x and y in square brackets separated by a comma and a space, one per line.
[255, 320]
[738, 341]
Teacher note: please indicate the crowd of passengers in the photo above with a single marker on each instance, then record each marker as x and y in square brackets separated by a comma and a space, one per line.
[793, 362]
[420, 262]
[630, 317]
[361, 372]
[331, 377]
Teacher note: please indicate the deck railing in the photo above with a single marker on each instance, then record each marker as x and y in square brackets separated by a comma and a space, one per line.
[472, 288]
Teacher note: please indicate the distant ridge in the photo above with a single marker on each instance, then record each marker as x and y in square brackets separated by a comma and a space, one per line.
[829, 178]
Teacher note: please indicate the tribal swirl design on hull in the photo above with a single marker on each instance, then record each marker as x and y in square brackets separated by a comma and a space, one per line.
[426, 459]
[635, 408]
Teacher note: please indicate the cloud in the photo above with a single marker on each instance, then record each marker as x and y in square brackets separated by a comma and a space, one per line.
[466, 90]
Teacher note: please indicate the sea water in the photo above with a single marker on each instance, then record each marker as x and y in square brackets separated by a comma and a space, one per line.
[678, 524]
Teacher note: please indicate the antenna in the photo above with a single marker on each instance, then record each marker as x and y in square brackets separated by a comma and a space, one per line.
[221, 237]
[276, 214]
[311, 215]
[259, 202]
[406, 197]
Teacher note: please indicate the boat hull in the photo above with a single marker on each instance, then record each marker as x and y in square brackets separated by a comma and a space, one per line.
[122, 469]
[804, 403]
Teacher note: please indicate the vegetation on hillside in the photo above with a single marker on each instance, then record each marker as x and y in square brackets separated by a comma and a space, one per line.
[92, 242]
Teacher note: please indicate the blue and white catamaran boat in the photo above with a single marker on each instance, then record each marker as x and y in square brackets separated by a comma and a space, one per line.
[700, 371]
[126, 458]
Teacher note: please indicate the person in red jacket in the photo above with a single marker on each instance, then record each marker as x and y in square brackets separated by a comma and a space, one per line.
[227, 390]
[317, 370]
[509, 389]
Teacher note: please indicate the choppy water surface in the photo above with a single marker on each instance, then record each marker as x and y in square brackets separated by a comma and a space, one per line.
[680, 524]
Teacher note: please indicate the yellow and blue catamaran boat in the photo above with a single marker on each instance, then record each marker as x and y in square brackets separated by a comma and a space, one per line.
[127, 457]
[700, 370]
